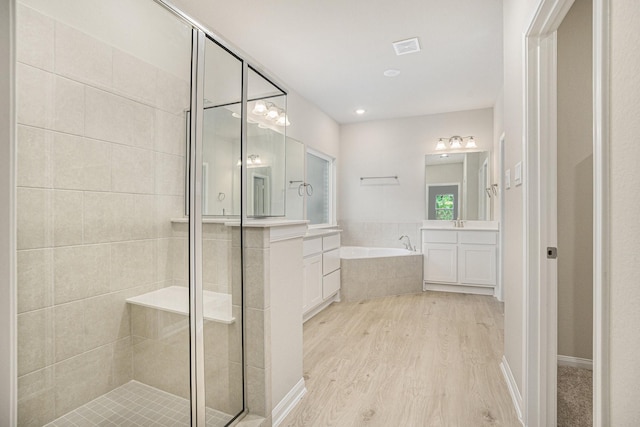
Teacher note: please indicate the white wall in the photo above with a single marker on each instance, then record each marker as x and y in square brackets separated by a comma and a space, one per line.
[575, 183]
[625, 205]
[397, 147]
[8, 371]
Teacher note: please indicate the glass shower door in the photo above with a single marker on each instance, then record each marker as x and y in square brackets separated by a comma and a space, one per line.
[220, 295]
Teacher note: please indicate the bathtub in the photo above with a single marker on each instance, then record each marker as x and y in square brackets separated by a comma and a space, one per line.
[367, 273]
[357, 252]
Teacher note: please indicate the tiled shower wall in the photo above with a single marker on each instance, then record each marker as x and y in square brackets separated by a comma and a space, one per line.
[100, 174]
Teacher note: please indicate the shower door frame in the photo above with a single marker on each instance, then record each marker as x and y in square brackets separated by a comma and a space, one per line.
[200, 34]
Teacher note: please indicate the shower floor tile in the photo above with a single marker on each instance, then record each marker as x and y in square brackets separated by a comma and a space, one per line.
[135, 404]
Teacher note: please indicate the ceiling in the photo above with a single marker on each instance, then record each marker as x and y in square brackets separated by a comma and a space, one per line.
[334, 52]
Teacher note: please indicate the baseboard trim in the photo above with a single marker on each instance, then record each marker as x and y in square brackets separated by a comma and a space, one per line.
[460, 289]
[516, 397]
[575, 362]
[334, 298]
[289, 402]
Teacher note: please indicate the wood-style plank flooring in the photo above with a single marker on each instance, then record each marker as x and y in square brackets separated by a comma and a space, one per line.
[428, 359]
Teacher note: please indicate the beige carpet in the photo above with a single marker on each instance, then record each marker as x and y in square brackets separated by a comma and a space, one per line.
[575, 397]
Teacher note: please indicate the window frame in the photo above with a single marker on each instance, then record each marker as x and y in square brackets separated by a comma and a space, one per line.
[331, 188]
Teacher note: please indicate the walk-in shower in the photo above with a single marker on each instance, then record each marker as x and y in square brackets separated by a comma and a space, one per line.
[137, 136]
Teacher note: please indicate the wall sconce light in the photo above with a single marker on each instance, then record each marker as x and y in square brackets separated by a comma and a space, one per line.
[455, 142]
[271, 112]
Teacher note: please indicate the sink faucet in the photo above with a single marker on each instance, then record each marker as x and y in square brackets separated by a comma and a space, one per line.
[458, 223]
[407, 244]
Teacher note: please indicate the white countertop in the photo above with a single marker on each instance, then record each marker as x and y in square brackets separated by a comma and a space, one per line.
[318, 232]
[252, 222]
[467, 228]
[471, 225]
[175, 299]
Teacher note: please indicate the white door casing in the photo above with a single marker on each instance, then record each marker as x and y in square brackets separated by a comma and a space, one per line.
[540, 213]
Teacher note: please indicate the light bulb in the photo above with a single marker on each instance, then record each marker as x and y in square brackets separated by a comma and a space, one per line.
[256, 160]
[259, 108]
[273, 113]
[471, 143]
[239, 162]
[456, 142]
[283, 120]
[441, 145]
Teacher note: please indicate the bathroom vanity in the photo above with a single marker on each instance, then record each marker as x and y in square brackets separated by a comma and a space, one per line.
[461, 259]
[321, 270]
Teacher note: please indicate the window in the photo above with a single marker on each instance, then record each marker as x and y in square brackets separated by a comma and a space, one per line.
[319, 188]
[445, 206]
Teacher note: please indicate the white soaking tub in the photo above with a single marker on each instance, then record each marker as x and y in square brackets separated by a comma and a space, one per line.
[377, 272]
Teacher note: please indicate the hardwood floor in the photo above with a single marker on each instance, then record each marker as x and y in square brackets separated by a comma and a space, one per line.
[428, 359]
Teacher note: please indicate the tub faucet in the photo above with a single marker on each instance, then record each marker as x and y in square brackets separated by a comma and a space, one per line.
[407, 244]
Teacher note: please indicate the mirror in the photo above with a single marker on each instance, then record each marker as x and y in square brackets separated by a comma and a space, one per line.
[457, 185]
[221, 169]
[222, 131]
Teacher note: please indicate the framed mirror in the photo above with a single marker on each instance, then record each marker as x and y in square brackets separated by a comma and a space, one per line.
[458, 186]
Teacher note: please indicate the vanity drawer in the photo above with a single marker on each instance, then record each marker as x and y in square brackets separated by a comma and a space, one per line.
[331, 242]
[439, 236]
[311, 246]
[479, 237]
[330, 261]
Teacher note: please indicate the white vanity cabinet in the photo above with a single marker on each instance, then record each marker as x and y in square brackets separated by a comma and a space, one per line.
[312, 282]
[321, 283]
[459, 260]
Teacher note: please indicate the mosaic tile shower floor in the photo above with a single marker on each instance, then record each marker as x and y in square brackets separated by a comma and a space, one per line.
[135, 404]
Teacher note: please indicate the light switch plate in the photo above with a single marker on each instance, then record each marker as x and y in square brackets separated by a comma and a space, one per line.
[507, 179]
[518, 174]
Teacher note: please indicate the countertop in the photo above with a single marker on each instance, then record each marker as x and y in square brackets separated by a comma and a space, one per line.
[321, 232]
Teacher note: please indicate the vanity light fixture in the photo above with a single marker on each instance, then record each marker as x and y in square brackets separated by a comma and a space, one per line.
[271, 112]
[283, 120]
[455, 142]
[252, 160]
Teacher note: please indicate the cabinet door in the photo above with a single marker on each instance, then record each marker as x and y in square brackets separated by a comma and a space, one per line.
[330, 284]
[440, 263]
[312, 282]
[477, 264]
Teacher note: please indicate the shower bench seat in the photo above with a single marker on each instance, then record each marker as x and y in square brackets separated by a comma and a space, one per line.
[175, 299]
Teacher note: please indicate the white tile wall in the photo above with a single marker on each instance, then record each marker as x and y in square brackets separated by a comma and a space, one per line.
[82, 57]
[101, 162]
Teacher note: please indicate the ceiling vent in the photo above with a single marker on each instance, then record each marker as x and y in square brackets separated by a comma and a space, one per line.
[403, 47]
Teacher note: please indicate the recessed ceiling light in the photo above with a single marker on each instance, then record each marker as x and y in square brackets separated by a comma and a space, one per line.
[391, 73]
[360, 111]
[403, 47]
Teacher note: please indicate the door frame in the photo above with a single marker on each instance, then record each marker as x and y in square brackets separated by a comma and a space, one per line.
[502, 206]
[540, 212]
